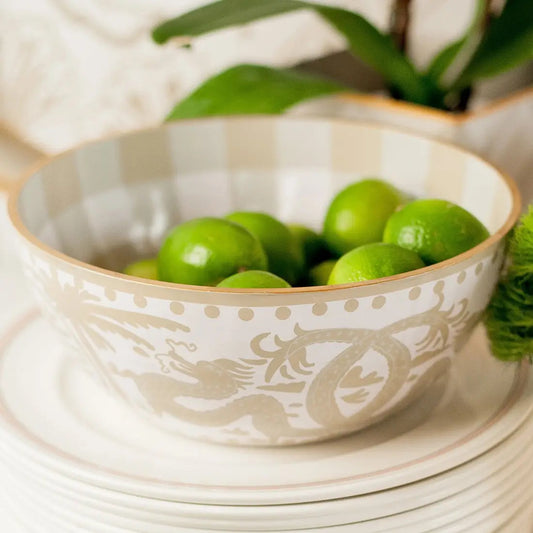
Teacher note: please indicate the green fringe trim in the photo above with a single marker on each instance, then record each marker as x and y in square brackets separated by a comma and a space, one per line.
[509, 316]
[521, 243]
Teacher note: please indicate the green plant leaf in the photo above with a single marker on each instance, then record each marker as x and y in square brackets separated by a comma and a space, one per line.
[248, 89]
[364, 40]
[378, 51]
[452, 58]
[443, 60]
[507, 43]
[221, 14]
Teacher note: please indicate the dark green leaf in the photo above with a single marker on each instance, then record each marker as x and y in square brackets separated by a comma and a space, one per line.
[364, 40]
[378, 51]
[220, 15]
[248, 89]
[443, 60]
[460, 50]
[507, 43]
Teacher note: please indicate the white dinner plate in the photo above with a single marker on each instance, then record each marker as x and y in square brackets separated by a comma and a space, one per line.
[483, 508]
[512, 454]
[59, 414]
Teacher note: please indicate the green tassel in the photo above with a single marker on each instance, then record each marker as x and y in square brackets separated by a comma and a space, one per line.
[509, 316]
[521, 243]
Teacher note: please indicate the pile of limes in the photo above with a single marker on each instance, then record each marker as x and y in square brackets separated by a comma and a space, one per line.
[371, 230]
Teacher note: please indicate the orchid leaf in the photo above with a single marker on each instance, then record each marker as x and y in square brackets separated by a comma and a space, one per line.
[364, 40]
[219, 15]
[449, 62]
[443, 59]
[249, 89]
[507, 43]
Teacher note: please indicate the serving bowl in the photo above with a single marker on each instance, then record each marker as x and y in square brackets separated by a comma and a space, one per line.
[251, 366]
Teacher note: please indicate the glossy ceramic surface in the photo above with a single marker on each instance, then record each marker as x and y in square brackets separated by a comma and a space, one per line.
[244, 367]
[103, 443]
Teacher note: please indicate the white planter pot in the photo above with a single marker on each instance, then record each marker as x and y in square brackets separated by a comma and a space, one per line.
[500, 131]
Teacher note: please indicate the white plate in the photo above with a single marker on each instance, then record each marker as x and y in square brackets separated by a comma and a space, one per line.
[520, 522]
[61, 416]
[462, 504]
[486, 469]
[8, 521]
[498, 515]
[484, 508]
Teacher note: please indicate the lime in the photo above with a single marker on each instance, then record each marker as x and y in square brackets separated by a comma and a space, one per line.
[146, 268]
[313, 246]
[435, 229]
[252, 279]
[358, 214]
[320, 273]
[204, 251]
[373, 261]
[285, 257]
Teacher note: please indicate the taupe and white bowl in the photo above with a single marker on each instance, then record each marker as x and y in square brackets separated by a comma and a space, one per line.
[260, 367]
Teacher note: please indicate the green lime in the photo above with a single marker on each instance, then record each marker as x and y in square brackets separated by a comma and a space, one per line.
[285, 257]
[147, 268]
[373, 261]
[435, 229]
[313, 246]
[358, 214]
[320, 273]
[254, 279]
[204, 251]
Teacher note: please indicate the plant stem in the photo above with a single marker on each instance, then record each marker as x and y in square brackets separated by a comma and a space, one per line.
[466, 93]
[464, 99]
[399, 24]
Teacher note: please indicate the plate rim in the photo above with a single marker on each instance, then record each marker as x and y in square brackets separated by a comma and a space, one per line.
[509, 485]
[504, 474]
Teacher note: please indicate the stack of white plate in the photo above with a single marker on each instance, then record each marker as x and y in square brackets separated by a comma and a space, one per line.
[75, 459]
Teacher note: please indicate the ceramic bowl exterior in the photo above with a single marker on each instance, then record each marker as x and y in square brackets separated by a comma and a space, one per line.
[263, 367]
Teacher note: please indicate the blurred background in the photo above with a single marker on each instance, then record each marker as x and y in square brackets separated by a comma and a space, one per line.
[74, 70]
